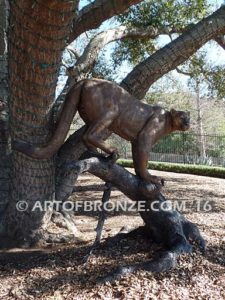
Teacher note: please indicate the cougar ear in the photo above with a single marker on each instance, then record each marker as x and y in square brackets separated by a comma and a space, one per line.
[173, 112]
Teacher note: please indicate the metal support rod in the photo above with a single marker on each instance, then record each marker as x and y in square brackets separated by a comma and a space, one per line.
[101, 220]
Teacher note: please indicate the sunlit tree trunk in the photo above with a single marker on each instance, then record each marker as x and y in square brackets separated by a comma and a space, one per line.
[199, 122]
[37, 36]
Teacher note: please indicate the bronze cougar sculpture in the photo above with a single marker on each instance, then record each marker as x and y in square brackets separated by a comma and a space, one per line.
[106, 107]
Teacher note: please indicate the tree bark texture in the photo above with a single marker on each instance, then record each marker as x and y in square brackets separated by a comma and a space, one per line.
[3, 22]
[37, 37]
[4, 134]
[4, 137]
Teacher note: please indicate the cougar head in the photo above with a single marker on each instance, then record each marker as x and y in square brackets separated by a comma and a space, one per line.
[180, 119]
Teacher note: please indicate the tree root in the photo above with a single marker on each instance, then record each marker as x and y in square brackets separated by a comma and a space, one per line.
[162, 262]
[59, 238]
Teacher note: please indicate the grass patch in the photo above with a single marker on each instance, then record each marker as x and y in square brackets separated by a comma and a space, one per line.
[218, 172]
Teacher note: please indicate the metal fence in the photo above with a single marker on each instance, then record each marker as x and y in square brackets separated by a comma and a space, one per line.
[188, 148]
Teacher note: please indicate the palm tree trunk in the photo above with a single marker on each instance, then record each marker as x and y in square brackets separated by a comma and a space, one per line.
[37, 36]
[4, 150]
[4, 137]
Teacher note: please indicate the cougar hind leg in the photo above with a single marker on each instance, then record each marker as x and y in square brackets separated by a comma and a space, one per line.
[97, 133]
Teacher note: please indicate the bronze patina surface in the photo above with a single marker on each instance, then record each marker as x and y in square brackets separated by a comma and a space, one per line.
[105, 107]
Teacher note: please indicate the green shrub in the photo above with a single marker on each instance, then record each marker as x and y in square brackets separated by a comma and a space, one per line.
[218, 172]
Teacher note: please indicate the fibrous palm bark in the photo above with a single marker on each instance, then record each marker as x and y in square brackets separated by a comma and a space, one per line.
[4, 162]
[36, 39]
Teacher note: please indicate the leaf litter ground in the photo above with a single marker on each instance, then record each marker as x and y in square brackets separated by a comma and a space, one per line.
[57, 272]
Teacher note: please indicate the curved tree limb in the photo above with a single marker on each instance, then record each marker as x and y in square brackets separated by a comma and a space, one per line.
[90, 54]
[173, 54]
[92, 15]
[112, 173]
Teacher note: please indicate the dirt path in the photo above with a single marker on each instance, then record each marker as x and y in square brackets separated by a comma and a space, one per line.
[59, 273]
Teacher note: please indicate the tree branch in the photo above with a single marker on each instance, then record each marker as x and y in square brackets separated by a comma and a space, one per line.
[183, 72]
[90, 54]
[173, 54]
[92, 15]
[129, 184]
[73, 51]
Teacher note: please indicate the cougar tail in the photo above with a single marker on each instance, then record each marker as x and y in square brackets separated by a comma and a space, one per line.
[66, 117]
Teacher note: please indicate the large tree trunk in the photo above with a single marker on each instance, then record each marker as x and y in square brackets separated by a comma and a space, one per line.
[37, 36]
[4, 150]
[4, 137]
